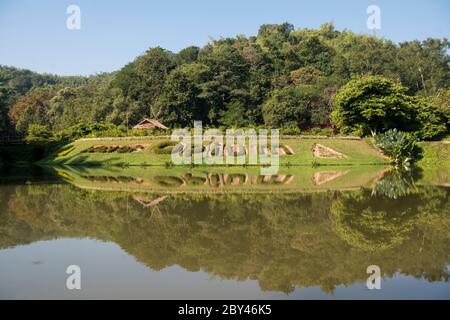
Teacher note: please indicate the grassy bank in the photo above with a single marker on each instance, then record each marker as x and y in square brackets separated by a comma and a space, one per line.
[357, 152]
[435, 154]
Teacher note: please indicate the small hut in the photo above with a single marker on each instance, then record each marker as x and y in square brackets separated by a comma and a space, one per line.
[149, 124]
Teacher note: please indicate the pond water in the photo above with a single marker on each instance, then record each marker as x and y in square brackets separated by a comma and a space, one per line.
[190, 234]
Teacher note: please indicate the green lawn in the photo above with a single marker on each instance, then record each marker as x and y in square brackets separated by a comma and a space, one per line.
[357, 152]
[435, 154]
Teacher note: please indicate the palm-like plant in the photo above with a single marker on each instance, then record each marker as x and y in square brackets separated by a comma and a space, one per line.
[397, 145]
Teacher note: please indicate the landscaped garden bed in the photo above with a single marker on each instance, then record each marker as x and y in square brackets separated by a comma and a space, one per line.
[114, 148]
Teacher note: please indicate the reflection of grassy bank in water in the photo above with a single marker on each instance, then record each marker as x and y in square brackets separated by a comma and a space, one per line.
[435, 176]
[168, 181]
[231, 179]
[194, 180]
[283, 241]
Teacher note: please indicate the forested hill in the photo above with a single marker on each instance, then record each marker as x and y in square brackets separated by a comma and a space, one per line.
[16, 83]
[280, 77]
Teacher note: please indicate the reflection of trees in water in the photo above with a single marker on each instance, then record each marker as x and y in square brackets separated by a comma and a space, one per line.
[378, 222]
[283, 241]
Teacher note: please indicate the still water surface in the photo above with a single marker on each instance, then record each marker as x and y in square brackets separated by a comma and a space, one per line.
[159, 242]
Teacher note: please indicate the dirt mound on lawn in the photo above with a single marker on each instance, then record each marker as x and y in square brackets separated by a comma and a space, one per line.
[321, 151]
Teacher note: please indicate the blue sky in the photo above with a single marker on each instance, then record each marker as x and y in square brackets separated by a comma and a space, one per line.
[33, 33]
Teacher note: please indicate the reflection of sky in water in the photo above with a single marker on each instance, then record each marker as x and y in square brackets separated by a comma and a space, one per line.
[108, 272]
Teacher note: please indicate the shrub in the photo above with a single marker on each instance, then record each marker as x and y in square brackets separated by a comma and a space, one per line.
[90, 150]
[101, 149]
[108, 149]
[108, 131]
[164, 147]
[166, 143]
[321, 132]
[397, 145]
[290, 131]
[125, 149]
[81, 130]
[112, 148]
[38, 134]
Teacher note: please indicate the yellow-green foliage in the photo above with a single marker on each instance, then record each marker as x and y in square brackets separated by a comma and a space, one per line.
[65, 152]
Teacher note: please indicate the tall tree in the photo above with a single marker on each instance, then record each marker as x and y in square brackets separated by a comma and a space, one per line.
[373, 103]
[142, 81]
[180, 103]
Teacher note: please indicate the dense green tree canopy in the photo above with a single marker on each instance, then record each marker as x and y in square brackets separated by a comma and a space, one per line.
[374, 103]
[291, 107]
[241, 81]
